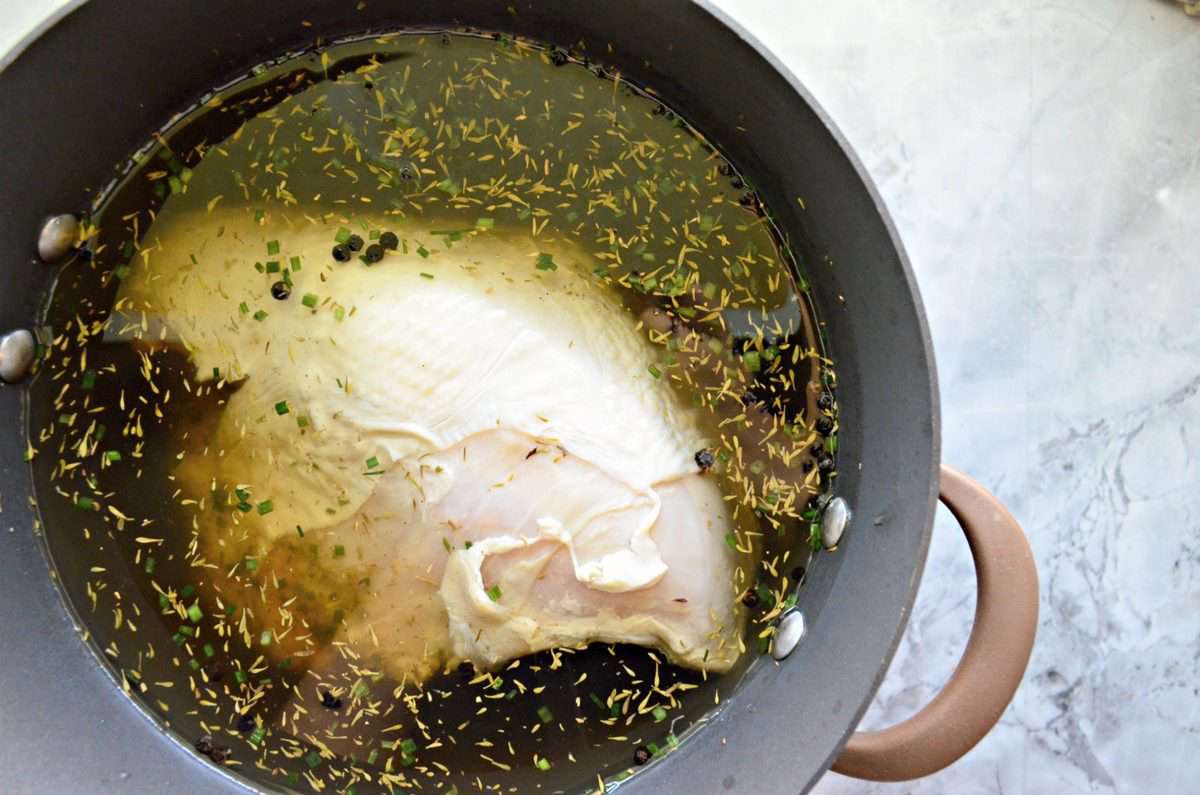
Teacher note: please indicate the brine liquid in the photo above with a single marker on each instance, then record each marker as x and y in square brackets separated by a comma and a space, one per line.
[466, 135]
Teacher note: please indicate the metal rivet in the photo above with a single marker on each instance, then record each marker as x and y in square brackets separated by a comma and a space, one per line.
[834, 521]
[57, 237]
[787, 634]
[16, 355]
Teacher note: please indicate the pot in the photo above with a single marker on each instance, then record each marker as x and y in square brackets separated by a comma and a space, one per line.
[99, 79]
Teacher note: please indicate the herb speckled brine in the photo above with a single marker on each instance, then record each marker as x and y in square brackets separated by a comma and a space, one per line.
[399, 371]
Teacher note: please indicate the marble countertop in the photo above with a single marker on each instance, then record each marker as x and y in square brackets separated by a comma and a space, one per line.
[1042, 163]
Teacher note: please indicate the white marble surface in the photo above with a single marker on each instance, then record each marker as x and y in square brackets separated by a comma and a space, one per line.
[1042, 162]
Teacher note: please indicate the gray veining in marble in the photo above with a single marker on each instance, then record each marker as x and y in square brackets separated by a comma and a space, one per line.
[1042, 163]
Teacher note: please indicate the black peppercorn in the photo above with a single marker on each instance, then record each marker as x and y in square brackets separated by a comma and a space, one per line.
[205, 744]
[558, 56]
[445, 39]
[815, 448]
[330, 701]
[748, 199]
[825, 401]
[214, 671]
[220, 754]
[807, 465]
[641, 755]
[750, 599]
[374, 253]
[737, 182]
[407, 171]
[341, 253]
[704, 460]
[824, 425]
[825, 463]
[725, 170]
[245, 723]
[354, 243]
[389, 241]
[798, 574]
[280, 291]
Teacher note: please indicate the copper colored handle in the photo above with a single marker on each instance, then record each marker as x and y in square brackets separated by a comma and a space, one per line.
[997, 652]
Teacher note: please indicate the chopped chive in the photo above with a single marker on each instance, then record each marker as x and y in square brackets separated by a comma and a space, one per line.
[494, 593]
[187, 591]
[300, 531]
[194, 613]
[273, 266]
[281, 408]
[672, 740]
[310, 300]
[408, 747]
[85, 503]
[194, 664]
[339, 551]
[654, 371]
[245, 310]
[424, 252]
[831, 444]
[815, 539]
[752, 360]
[209, 651]
[112, 456]
[260, 315]
[660, 714]
[312, 759]
[295, 263]
[272, 247]
[257, 735]
[339, 314]
[258, 266]
[302, 420]
[467, 545]
[446, 543]
[241, 677]
[372, 462]
[543, 763]
[485, 223]
[545, 262]
[371, 757]
[731, 541]
[89, 379]
[265, 507]
[121, 271]
[599, 702]
[188, 631]
[265, 638]
[251, 564]
[449, 187]
[343, 234]
[544, 714]
[150, 564]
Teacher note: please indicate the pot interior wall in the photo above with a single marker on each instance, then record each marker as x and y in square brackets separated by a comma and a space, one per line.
[88, 93]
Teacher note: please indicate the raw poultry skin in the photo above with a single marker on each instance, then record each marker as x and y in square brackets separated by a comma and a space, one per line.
[486, 450]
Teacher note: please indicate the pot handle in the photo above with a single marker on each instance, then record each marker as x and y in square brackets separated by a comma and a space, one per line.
[1006, 613]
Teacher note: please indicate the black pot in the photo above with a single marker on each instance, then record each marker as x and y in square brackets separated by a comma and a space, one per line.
[95, 83]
